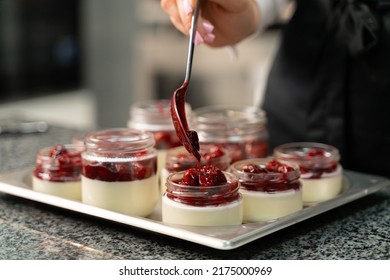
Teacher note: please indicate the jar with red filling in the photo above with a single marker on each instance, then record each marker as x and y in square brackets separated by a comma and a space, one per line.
[178, 159]
[155, 116]
[271, 189]
[240, 130]
[119, 171]
[321, 172]
[202, 197]
[58, 170]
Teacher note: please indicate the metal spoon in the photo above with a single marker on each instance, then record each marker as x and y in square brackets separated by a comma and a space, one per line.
[189, 138]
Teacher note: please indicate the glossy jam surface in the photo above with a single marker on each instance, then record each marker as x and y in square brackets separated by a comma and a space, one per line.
[120, 171]
[316, 170]
[203, 186]
[179, 159]
[188, 138]
[267, 175]
[60, 163]
[314, 159]
[205, 176]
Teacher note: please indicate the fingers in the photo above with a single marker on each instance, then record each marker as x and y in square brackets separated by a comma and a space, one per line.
[205, 30]
[180, 13]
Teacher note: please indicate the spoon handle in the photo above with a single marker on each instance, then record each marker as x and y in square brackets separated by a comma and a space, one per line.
[191, 44]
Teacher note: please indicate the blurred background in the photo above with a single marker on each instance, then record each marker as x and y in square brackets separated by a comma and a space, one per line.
[82, 63]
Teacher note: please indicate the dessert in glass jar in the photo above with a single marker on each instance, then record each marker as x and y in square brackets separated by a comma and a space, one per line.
[155, 116]
[240, 130]
[179, 159]
[270, 189]
[321, 172]
[119, 171]
[204, 196]
[58, 170]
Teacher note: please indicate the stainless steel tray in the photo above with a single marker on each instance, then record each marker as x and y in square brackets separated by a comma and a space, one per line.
[355, 185]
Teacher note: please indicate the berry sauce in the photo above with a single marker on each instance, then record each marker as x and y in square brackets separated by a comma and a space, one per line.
[315, 160]
[203, 186]
[315, 171]
[58, 164]
[188, 138]
[272, 176]
[245, 150]
[120, 171]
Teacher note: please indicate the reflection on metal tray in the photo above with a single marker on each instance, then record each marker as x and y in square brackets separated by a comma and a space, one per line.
[355, 185]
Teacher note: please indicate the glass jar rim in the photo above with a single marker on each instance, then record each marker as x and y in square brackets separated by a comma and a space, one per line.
[73, 150]
[173, 155]
[220, 123]
[153, 115]
[236, 169]
[295, 151]
[199, 191]
[232, 114]
[119, 140]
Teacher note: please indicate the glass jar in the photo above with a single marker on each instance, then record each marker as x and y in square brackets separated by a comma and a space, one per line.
[58, 170]
[270, 189]
[119, 171]
[178, 159]
[321, 172]
[155, 116]
[240, 130]
[214, 205]
[79, 138]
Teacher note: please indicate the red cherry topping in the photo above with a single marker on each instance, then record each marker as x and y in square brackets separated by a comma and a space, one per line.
[186, 161]
[315, 171]
[315, 152]
[61, 165]
[121, 172]
[253, 168]
[204, 186]
[273, 176]
[215, 152]
[206, 176]
[211, 176]
[191, 177]
[277, 166]
[271, 166]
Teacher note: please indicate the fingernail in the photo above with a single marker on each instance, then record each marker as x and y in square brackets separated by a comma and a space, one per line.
[187, 7]
[209, 38]
[208, 27]
[198, 38]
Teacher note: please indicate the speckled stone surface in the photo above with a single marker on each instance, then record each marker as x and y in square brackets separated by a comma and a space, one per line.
[33, 231]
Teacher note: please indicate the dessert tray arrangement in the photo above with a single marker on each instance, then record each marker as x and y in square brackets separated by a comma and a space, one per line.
[355, 185]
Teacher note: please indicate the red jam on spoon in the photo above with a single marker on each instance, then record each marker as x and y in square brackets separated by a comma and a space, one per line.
[189, 138]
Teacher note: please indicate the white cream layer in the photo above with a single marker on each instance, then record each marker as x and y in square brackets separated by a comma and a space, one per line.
[221, 215]
[321, 189]
[68, 190]
[137, 198]
[263, 206]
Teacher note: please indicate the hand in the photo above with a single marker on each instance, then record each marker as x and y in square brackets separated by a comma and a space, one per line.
[221, 22]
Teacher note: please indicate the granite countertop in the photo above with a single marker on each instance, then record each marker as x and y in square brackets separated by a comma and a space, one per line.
[32, 230]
